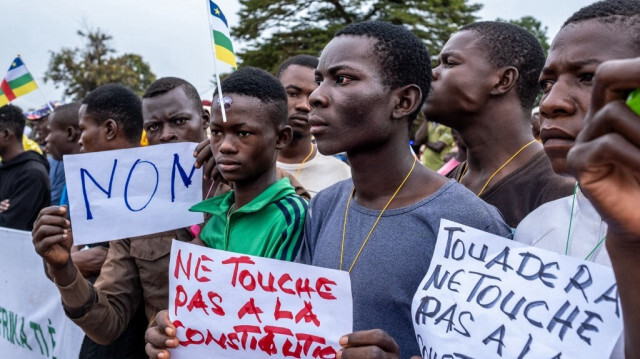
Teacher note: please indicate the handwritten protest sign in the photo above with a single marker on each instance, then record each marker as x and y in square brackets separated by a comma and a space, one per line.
[132, 192]
[229, 305]
[487, 297]
[32, 321]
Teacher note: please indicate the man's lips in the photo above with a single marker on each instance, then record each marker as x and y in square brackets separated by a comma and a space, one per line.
[317, 125]
[227, 164]
[556, 137]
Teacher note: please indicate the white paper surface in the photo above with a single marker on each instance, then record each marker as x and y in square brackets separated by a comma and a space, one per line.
[488, 297]
[132, 192]
[224, 308]
[33, 322]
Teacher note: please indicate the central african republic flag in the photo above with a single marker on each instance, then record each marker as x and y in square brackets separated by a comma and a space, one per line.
[17, 82]
[221, 35]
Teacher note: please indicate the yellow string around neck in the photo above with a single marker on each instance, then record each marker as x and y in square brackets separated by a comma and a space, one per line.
[346, 212]
[303, 161]
[503, 165]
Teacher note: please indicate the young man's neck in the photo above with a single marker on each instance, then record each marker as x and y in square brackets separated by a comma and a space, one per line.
[244, 192]
[492, 140]
[378, 172]
[12, 152]
[297, 150]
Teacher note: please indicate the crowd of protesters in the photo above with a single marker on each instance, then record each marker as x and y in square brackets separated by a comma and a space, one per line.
[485, 156]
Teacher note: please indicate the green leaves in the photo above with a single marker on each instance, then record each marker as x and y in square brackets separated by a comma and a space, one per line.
[81, 70]
[275, 30]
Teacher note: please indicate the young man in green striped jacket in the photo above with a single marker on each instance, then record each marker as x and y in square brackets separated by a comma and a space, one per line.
[262, 216]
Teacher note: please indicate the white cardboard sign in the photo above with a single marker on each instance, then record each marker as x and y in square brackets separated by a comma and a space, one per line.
[488, 297]
[230, 305]
[32, 321]
[132, 192]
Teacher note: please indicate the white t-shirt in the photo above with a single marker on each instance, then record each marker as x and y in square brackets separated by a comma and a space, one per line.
[318, 173]
[547, 227]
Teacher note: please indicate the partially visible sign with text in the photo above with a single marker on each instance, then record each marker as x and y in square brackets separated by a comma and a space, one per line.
[488, 297]
[32, 322]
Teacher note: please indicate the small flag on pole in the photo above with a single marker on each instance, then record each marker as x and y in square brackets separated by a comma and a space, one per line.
[17, 82]
[221, 35]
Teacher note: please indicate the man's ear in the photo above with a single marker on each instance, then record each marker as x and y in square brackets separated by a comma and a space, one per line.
[5, 133]
[111, 129]
[206, 118]
[72, 133]
[407, 100]
[508, 77]
[285, 135]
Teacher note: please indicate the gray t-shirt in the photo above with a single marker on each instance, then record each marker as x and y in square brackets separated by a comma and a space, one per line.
[397, 256]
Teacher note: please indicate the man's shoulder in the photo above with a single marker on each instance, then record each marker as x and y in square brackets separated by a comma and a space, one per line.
[331, 193]
[457, 203]
[330, 161]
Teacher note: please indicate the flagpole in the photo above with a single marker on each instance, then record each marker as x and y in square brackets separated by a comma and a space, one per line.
[39, 89]
[215, 64]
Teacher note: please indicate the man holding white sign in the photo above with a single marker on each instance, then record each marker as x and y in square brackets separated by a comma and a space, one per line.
[136, 268]
[109, 119]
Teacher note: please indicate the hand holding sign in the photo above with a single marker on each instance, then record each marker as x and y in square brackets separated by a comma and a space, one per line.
[160, 337]
[374, 343]
[53, 240]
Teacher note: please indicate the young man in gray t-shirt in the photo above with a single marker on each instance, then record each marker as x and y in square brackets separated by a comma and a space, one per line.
[382, 224]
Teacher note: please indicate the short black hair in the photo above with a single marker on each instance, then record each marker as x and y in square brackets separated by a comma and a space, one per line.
[258, 83]
[11, 118]
[166, 84]
[116, 102]
[300, 60]
[506, 44]
[620, 15]
[66, 115]
[403, 58]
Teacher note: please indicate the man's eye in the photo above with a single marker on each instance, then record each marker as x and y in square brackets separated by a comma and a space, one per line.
[180, 121]
[244, 133]
[546, 85]
[216, 132]
[341, 79]
[292, 94]
[318, 81]
[153, 128]
[588, 77]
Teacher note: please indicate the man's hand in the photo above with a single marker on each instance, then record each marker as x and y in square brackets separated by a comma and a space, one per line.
[204, 159]
[160, 337]
[374, 344]
[606, 162]
[606, 156]
[53, 240]
[4, 205]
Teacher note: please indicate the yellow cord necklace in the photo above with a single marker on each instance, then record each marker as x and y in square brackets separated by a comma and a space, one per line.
[303, 161]
[346, 212]
[466, 166]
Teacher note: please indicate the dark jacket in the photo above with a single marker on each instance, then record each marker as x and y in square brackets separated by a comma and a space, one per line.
[24, 180]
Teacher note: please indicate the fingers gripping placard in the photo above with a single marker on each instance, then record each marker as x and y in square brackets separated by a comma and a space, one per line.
[229, 305]
[488, 297]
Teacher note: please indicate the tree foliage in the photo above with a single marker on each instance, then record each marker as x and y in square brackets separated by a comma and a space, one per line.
[274, 30]
[81, 70]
